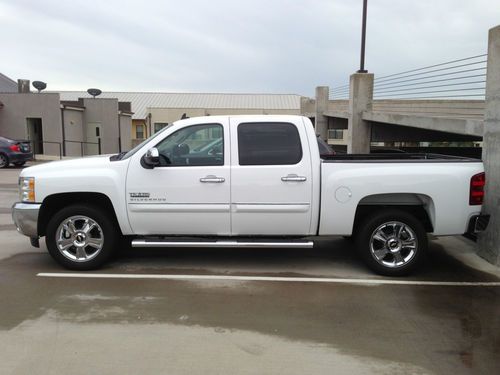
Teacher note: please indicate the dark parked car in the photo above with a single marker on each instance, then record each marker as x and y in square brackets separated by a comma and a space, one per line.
[14, 152]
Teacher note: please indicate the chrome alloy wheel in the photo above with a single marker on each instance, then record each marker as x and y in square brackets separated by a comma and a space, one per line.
[79, 238]
[393, 244]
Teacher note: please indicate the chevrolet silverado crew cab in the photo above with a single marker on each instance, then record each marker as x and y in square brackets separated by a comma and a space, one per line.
[248, 181]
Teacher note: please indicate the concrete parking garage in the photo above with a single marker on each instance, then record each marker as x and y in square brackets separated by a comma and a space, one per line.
[244, 311]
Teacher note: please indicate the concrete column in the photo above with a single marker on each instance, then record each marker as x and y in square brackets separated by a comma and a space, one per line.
[489, 241]
[307, 106]
[360, 99]
[321, 121]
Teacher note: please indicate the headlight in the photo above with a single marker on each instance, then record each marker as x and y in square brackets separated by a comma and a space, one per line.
[27, 189]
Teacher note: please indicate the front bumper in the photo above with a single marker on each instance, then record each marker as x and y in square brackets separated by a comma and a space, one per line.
[25, 216]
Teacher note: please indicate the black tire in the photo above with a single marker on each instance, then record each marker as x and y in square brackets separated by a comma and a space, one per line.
[19, 163]
[106, 233]
[389, 233]
[4, 161]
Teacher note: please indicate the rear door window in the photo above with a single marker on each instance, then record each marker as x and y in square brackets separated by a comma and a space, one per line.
[268, 143]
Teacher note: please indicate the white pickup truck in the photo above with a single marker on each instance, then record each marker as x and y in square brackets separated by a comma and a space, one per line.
[248, 181]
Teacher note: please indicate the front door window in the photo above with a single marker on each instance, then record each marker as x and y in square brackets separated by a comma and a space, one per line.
[201, 145]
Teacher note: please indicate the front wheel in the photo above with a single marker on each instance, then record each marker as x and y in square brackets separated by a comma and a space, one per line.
[81, 237]
[392, 242]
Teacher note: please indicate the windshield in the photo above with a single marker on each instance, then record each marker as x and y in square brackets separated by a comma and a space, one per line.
[139, 146]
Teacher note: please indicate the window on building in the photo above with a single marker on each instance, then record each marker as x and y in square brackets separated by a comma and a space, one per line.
[268, 144]
[139, 131]
[193, 145]
[336, 133]
[159, 125]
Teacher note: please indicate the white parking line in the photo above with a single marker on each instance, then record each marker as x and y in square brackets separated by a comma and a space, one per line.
[266, 278]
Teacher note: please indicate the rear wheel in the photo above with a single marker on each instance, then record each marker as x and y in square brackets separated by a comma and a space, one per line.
[392, 242]
[4, 161]
[81, 237]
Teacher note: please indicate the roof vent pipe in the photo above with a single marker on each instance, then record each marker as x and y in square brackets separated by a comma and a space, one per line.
[23, 86]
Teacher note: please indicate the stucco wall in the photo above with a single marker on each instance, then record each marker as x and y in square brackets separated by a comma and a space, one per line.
[18, 107]
[125, 126]
[105, 112]
[73, 127]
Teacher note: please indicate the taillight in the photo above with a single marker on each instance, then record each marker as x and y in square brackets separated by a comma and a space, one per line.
[15, 148]
[476, 195]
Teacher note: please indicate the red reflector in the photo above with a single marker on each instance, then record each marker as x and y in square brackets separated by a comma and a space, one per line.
[15, 148]
[476, 195]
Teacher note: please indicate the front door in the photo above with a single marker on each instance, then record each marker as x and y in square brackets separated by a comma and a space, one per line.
[271, 174]
[189, 194]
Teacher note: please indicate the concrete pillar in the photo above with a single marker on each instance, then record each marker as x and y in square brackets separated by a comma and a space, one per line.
[489, 241]
[360, 99]
[307, 106]
[321, 121]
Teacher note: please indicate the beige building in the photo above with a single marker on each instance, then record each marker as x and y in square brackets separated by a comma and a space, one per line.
[153, 111]
[79, 127]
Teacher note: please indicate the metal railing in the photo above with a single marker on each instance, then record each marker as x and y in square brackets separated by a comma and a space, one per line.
[463, 78]
[82, 143]
[339, 92]
[60, 147]
[456, 79]
[33, 143]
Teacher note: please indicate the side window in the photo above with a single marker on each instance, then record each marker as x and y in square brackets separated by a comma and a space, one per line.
[268, 144]
[193, 145]
[139, 131]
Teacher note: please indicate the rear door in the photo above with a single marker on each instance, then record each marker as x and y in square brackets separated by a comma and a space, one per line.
[271, 189]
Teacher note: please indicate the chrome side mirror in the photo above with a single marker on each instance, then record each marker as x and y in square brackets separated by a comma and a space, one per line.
[151, 159]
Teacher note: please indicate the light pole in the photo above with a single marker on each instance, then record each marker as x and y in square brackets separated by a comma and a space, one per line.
[363, 40]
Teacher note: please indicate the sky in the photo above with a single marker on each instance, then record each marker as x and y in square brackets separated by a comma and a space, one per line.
[257, 46]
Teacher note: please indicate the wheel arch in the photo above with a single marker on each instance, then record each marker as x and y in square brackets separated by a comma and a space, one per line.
[55, 202]
[420, 206]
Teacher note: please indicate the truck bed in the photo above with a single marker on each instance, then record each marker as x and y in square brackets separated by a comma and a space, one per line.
[396, 158]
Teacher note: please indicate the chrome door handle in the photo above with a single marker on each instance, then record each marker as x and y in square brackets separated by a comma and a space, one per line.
[293, 177]
[213, 179]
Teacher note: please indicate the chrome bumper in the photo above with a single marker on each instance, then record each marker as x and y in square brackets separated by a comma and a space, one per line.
[25, 216]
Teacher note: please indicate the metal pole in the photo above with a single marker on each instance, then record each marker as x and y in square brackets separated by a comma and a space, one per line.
[119, 132]
[63, 131]
[363, 39]
[32, 143]
[150, 129]
[99, 145]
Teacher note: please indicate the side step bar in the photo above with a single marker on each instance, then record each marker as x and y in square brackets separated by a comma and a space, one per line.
[223, 244]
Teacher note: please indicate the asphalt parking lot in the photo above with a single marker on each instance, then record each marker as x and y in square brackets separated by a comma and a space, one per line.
[244, 311]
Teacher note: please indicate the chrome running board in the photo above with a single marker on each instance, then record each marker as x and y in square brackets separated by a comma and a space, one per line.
[223, 244]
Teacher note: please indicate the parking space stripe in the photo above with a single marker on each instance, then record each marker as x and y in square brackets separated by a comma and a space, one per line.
[266, 278]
